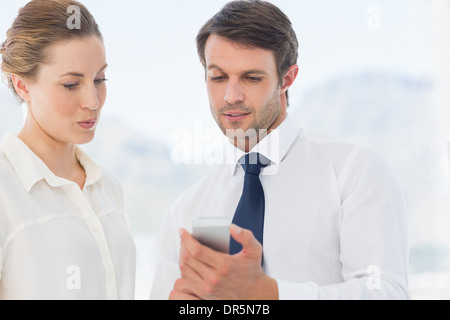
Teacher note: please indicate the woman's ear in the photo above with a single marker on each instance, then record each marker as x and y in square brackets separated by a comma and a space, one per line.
[21, 86]
[289, 78]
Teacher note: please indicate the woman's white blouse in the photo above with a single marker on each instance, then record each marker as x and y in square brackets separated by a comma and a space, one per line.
[56, 240]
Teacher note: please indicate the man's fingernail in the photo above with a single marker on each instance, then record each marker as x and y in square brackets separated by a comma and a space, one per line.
[180, 232]
[237, 229]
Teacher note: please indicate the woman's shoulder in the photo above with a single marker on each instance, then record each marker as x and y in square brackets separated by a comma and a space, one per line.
[6, 170]
[110, 181]
[96, 171]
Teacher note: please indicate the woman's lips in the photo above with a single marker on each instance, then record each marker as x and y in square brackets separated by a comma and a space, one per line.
[88, 124]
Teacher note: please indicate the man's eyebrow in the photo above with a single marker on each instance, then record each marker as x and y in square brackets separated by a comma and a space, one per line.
[251, 71]
[77, 74]
[214, 66]
[255, 71]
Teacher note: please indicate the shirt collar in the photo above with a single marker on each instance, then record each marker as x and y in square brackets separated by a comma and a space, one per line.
[94, 174]
[31, 169]
[274, 146]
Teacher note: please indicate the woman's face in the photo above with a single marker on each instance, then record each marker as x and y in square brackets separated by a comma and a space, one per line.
[67, 96]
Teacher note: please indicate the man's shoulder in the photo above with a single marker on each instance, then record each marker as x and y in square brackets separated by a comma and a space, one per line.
[207, 181]
[330, 146]
[321, 139]
[341, 152]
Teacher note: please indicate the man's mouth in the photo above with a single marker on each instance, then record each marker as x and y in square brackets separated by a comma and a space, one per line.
[235, 116]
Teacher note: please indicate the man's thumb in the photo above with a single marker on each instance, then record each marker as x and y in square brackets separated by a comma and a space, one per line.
[245, 237]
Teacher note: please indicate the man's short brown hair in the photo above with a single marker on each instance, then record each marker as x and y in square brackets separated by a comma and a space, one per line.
[254, 24]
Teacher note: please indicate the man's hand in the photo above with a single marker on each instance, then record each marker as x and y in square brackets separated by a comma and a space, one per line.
[208, 274]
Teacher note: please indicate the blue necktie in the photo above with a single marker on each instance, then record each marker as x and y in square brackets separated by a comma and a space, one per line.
[250, 210]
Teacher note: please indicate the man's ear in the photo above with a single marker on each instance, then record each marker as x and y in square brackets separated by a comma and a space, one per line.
[289, 78]
[21, 86]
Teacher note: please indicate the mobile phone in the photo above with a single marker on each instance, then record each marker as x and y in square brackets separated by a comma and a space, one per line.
[213, 232]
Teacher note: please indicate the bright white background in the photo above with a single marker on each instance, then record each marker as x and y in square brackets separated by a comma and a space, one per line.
[376, 72]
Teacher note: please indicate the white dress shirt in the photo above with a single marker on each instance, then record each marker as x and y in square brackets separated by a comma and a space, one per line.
[336, 221]
[58, 241]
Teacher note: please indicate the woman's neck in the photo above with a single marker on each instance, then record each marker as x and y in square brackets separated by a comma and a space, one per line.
[59, 157]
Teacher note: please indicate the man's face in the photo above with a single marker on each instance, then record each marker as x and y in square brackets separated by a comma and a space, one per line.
[243, 89]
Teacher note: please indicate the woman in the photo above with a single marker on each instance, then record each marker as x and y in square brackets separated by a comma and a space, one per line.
[63, 229]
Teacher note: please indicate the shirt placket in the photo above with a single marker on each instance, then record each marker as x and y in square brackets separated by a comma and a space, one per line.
[99, 235]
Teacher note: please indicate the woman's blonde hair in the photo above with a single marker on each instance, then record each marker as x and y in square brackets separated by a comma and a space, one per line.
[38, 25]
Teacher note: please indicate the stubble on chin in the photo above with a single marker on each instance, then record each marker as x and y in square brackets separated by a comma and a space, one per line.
[246, 137]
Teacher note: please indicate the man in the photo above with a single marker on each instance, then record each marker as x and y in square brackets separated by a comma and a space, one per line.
[335, 221]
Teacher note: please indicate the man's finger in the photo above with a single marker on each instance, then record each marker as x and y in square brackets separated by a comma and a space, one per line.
[190, 267]
[250, 245]
[197, 251]
[182, 291]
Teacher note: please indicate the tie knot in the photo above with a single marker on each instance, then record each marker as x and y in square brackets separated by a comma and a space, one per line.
[253, 163]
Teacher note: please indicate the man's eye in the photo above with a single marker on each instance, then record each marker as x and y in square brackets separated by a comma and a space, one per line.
[218, 79]
[254, 79]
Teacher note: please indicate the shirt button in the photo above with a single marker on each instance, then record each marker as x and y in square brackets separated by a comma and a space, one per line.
[96, 228]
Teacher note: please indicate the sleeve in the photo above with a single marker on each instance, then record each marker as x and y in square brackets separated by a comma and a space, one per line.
[1, 262]
[167, 270]
[373, 236]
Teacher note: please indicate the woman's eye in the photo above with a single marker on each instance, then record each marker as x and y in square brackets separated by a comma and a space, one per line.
[70, 86]
[100, 81]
